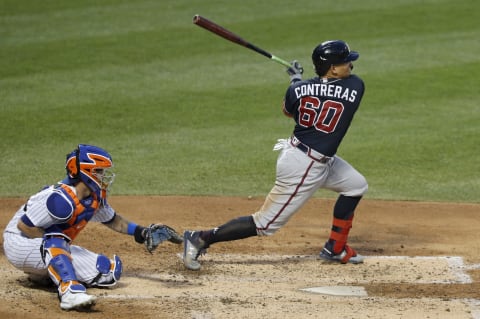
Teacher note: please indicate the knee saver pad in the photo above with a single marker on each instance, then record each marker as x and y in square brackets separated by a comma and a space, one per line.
[55, 242]
[109, 271]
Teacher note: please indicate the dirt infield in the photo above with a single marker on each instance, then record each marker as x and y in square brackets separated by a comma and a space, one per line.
[423, 261]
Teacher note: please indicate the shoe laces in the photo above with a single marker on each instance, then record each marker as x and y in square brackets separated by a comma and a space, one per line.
[202, 247]
[201, 252]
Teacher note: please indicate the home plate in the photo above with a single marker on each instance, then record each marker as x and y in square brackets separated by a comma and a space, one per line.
[338, 290]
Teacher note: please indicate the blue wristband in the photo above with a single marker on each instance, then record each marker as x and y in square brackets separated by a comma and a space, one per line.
[131, 228]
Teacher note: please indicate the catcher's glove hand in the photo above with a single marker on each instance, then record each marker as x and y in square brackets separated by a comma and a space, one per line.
[155, 234]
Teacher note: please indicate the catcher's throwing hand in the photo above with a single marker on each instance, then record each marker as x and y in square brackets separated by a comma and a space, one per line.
[155, 234]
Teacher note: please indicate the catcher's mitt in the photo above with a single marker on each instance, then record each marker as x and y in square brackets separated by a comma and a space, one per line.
[155, 234]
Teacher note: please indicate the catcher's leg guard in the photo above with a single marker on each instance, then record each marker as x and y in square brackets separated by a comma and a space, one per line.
[56, 254]
[109, 271]
[72, 294]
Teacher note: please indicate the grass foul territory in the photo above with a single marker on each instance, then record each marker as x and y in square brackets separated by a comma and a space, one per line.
[184, 112]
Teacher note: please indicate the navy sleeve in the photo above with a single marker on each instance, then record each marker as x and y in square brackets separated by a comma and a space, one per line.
[27, 221]
[289, 101]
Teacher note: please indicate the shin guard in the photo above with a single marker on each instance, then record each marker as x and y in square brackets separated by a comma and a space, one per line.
[56, 254]
[339, 233]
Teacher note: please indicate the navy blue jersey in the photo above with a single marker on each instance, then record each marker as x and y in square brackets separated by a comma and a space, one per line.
[323, 110]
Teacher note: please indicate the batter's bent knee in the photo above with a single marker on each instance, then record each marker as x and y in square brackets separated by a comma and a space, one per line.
[109, 271]
[358, 187]
[358, 192]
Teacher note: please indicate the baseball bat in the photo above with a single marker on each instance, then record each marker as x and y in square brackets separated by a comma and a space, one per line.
[230, 36]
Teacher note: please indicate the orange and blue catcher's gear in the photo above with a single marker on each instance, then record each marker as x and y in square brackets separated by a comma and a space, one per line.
[72, 213]
[91, 165]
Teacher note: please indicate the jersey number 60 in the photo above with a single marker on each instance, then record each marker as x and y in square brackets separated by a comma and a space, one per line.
[323, 116]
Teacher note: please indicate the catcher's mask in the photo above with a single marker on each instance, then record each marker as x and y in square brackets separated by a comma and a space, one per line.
[330, 53]
[91, 165]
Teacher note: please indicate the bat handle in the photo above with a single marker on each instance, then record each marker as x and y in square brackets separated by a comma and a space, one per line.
[278, 60]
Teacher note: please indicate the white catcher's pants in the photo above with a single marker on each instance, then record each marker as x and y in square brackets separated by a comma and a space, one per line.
[24, 254]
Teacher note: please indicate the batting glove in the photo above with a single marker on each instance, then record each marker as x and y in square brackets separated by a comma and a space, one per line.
[295, 71]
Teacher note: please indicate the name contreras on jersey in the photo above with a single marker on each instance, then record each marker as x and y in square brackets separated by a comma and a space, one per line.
[328, 90]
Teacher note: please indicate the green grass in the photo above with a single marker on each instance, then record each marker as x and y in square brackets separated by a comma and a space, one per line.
[185, 112]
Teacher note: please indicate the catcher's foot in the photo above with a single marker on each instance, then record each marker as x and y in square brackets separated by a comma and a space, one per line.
[73, 296]
[348, 255]
[193, 247]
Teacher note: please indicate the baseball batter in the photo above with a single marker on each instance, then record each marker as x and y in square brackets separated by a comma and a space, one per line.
[39, 238]
[322, 108]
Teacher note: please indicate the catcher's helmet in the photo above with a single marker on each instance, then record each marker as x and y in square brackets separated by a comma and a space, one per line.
[90, 164]
[331, 53]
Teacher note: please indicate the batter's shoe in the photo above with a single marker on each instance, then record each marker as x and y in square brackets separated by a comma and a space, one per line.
[73, 296]
[193, 247]
[348, 255]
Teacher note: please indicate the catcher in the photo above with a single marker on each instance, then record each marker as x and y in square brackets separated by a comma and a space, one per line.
[39, 238]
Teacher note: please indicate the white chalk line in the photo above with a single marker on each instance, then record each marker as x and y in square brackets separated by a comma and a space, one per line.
[129, 297]
[354, 291]
[455, 264]
[474, 305]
